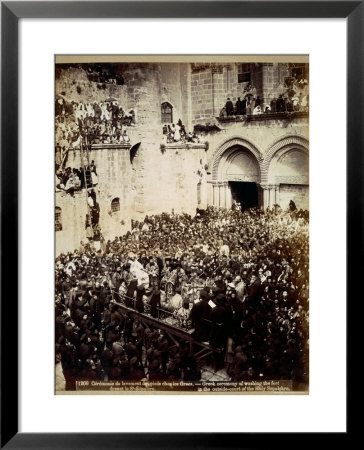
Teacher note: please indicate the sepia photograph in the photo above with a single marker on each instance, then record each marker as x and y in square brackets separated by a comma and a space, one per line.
[181, 224]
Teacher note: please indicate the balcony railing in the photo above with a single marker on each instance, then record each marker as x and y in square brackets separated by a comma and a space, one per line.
[102, 145]
[286, 115]
[159, 313]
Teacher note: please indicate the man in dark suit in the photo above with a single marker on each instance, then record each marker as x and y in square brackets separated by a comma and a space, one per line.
[199, 317]
[254, 290]
[220, 285]
[239, 107]
[69, 365]
[280, 104]
[229, 107]
[155, 302]
[218, 317]
[243, 106]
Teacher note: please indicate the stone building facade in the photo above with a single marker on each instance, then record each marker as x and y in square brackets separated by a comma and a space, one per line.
[259, 160]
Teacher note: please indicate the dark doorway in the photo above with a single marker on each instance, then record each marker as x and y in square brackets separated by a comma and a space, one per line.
[245, 193]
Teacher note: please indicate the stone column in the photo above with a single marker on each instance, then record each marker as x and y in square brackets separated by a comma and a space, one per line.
[265, 198]
[265, 188]
[223, 195]
[204, 193]
[272, 195]
[260, 196]
[210, 193]
[215, 195]
[189, 98]
[277, 194]
[228, 199]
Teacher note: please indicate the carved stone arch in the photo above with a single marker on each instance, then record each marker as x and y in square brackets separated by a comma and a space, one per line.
[235, 141]
[279, 148]
[168, 101]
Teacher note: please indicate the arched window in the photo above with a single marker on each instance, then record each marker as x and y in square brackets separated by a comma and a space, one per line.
[167, 112]
[115, 205]
[58, 219]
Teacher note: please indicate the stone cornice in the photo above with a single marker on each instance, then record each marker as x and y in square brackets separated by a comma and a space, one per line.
[269, 186]
[219, 183]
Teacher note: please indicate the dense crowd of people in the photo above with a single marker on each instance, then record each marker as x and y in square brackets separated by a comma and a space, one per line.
[69, 180]
[104, 73]
[81, 124]
[101, 122]
[251, 105]
[177, 133]
[239, 280]
[101, 73]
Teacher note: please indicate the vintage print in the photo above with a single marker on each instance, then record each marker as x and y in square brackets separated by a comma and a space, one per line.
[182, 224]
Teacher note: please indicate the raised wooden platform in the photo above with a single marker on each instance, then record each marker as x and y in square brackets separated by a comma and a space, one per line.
[199, 349]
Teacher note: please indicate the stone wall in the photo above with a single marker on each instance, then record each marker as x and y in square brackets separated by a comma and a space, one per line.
[298, 193]
[157, 179]
[115, 180]
[174, 89]
[272, 75]
[181, 169]
[73, 219]
[154, 183]
[74, 84]
[212, 84]
[261, 139]
[164, 177]
[261, 134]
[157, 182]
[234, 89]
[204, 96]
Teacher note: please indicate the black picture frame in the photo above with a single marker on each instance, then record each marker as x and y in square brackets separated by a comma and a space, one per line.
[11, 12]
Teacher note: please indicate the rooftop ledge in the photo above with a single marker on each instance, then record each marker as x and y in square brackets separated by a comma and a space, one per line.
[270, 116]
[76, 194]
[183, 146]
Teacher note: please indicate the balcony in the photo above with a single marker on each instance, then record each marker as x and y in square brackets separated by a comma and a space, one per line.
[183, 145]
[121, 145]
[286, 115]
[102, 146]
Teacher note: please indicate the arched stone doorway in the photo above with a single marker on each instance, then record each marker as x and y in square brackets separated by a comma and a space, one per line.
[236, 177]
